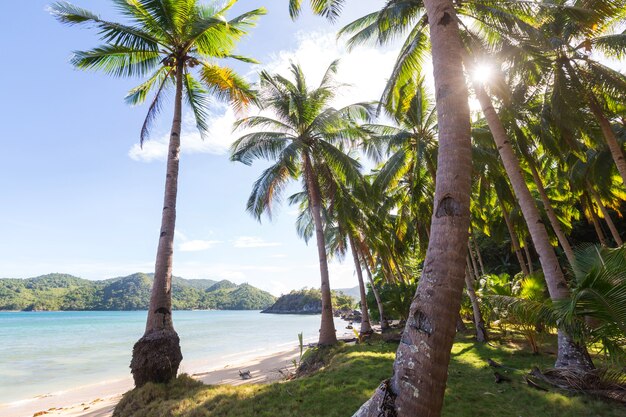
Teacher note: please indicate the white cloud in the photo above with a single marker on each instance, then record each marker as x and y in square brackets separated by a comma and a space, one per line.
[197, 245]
[365, 69]
[253, 242]
[217, 140]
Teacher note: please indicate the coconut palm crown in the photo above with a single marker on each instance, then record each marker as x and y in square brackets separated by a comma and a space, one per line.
[175, 45]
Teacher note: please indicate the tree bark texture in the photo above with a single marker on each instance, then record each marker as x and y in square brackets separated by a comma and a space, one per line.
[366, 326]
[157, 355]
[420, 369]
[328, 335]
[569, 354]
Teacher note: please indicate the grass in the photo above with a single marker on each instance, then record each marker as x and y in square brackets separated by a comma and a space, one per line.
[354, 372]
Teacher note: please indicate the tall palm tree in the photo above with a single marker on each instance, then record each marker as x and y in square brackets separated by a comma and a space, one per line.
[306, 138]
[175, 44]
[429, 332]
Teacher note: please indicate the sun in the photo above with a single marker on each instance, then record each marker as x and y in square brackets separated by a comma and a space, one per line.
[482, 73]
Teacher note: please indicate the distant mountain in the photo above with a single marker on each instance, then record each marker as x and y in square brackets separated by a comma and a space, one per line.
[353, 292]
[67, 292]
[307, 301]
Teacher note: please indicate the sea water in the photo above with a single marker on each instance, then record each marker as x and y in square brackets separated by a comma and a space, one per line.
[48, 352]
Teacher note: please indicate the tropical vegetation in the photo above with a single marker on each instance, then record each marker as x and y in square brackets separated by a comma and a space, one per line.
[508, 215]
[60, 292]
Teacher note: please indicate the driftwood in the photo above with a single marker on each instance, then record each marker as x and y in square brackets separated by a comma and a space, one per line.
[245, 374]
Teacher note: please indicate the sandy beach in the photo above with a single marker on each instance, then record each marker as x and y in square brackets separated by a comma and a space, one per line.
[99, 400]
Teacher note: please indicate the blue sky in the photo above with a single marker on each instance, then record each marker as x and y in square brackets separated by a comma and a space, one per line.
[80, 197]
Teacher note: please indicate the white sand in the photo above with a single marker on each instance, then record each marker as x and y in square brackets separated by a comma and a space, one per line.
[99, 400]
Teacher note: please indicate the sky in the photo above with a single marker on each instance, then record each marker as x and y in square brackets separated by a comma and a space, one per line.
[79, 195]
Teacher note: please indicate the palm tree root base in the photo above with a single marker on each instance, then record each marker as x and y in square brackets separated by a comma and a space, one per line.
[571, 354]
[156, 357]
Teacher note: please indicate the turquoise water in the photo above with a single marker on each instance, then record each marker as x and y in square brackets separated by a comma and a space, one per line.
[45, 352]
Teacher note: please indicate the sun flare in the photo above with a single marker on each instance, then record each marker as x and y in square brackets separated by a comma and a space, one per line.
[482, 73]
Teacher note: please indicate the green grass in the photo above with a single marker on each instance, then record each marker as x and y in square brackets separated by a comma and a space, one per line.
[355, 371]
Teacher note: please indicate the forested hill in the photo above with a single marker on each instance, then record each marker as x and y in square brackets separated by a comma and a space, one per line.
[66, 292]
[308, 301]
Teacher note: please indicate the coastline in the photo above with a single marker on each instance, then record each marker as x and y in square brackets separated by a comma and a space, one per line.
[99, 399]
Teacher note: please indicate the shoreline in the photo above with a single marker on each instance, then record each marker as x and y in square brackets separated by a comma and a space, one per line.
[99, 399]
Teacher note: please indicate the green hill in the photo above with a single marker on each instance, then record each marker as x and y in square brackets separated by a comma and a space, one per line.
[307, 301]
[66, 292]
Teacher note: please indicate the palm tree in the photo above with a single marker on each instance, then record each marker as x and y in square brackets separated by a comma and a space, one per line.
[306, 141]
[169, 42]
[430, 330]
[570, 354]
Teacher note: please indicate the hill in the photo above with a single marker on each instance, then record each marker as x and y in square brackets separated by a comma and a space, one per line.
[307, 301]
[353, 292]
[66, 292]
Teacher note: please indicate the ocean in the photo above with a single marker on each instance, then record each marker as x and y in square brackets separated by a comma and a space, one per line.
[42, 353]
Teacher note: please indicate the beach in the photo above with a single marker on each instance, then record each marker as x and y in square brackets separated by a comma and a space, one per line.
[99, 400]
[76, 363]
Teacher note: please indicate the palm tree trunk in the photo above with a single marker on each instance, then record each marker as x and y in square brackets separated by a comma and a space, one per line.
[157, 355]
[479, 323]
[478, 255]
[609, 136]
[595, 221]
[383, 322]
[328, 334]
[529, 259]
[420, 369]
[514, 238]
[554, 221]
[570, 354]
[473, 261]
[605, 213]
[366, 327]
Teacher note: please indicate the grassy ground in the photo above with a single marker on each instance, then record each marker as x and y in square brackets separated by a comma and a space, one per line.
[355, 371]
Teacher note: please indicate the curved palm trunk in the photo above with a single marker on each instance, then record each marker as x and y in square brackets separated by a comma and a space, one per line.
[479, 323]
[514, 238]
[384, 326]
[554, 221]
[609, 136]
[328, 334]
[157, 355]
[421, 366]
[366, 326]
[570, 354]
[605, 213]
